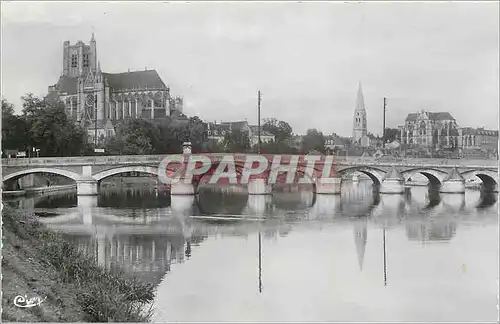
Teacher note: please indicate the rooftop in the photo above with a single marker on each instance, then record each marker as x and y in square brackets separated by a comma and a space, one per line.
[148, 79]
[432, 116]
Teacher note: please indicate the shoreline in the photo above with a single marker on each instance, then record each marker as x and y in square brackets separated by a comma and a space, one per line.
[38, 262]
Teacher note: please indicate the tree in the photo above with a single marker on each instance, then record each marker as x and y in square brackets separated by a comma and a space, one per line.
[14, 128]
[136, 137]
[280, 129]
[392, 134]
[237, 141]
[195, 132]
[313, 140]
[213, 146]
[50, 129]
[170, 136]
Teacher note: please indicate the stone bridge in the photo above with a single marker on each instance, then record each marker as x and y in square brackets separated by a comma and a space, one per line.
[389, 177]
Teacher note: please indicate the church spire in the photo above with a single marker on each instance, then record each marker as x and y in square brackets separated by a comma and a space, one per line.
[360, 232]
[359, 121]
[360, 101]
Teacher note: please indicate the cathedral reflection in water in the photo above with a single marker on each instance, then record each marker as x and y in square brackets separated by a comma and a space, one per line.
[146, 231]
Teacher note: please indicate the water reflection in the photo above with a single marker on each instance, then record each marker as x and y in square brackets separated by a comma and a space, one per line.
[134, 197]
[326, 206]
[360, 236]
[304, 246]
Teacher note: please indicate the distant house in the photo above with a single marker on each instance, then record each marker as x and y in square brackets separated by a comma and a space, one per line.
[333, 143]
[265, 136]
[218, 131]
[295, 141]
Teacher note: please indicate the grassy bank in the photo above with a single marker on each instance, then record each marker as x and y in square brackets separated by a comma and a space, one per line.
[38, 262]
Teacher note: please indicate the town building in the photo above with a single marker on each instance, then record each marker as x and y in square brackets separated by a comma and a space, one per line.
[359, 129]
[334, 143]
[478, 142]
[93, 97]
[295, 141]
[479, 138]
[217, 132]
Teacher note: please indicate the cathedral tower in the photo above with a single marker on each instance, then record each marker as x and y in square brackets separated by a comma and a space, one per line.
[359, 124]
[79, 59]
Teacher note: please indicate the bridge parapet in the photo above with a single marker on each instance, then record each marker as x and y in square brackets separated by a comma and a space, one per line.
[218, 157]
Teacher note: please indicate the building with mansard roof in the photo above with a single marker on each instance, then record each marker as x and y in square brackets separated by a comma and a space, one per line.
[93, 97]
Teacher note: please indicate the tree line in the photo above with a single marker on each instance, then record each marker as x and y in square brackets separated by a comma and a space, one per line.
[44, 125]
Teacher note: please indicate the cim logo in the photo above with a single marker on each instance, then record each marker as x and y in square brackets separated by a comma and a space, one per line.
[240, 169]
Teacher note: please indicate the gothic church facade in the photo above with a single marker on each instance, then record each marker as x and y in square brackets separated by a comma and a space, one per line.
[99, 100]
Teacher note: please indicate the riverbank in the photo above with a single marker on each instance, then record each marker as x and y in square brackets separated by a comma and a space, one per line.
[37, 262]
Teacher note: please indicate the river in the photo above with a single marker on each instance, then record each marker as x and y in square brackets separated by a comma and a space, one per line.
[295, 256]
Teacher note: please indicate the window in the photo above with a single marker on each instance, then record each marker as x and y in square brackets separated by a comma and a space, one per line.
[85, 60]
[74, 60]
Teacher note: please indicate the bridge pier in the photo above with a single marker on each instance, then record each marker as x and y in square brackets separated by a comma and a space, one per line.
[181, 205]
[328, 186]
[393, 183]
[259, 187]
[257, 204]
[87, 188]
[182, 188]
[454, 183]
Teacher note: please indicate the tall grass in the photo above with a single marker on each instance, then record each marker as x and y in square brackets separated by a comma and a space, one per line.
[104, 295]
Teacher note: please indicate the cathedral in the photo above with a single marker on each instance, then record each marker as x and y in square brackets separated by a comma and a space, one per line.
[99, 100]
[433, 130]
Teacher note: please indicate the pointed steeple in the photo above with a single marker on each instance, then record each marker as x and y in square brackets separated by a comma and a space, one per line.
[360, 101]
[360, 234]
[93, 38]
[359, 121]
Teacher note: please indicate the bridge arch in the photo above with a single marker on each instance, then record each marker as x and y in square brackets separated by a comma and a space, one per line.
[15, 175]
[489, 178]
[133, 168]
[298, 171]
[435, 177]
[375, 174]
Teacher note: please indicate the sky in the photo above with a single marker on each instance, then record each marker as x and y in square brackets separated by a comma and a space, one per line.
[306, 58]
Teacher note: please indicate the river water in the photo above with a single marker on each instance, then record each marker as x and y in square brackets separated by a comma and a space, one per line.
[295, 256]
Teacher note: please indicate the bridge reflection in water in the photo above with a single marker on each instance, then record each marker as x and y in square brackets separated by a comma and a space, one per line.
[147, 231]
